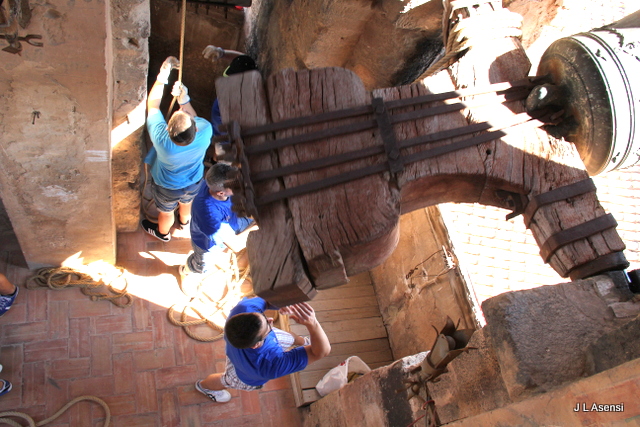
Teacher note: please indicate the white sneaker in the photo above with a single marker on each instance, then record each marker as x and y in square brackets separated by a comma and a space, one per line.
[220, 396]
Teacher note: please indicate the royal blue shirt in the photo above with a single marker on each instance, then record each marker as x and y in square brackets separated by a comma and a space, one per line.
[216, 119]
[213, 219]
[175, 167]
[256, 366]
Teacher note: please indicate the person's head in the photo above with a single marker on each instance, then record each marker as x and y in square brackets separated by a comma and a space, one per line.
[181, 128]
[240, 64]
[218, 181]
[247, 330]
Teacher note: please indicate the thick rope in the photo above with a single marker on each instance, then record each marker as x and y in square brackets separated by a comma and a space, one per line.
[182, 31]
[207, 309]
[32, 423]
[58, 278]
[461, 34]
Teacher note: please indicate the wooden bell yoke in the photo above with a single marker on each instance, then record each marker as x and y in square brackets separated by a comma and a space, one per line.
[327, 168]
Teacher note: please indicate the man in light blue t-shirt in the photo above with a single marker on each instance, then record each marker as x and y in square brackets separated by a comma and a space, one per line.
[257, 352]
[176, 158]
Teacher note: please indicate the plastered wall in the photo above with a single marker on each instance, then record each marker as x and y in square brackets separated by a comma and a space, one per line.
[55, 123]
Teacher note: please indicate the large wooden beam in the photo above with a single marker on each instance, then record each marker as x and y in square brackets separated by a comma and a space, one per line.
[332, 233]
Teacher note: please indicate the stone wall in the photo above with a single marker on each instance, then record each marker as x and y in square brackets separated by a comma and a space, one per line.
[55, 123]
[130, 28]
[411, 296]
[385, 42]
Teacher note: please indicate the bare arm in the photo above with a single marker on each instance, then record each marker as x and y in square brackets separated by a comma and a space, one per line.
[303, 314]
[215, 53]
[155, 96]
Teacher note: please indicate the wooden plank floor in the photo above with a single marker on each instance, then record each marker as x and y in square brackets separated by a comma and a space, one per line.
[351, 318]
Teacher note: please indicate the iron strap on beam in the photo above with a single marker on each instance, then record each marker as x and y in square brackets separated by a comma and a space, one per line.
[367, 124]
[556, 195]
[502, 88]
[388, 136]
[573, 234]
[524, 120]
[609, 262]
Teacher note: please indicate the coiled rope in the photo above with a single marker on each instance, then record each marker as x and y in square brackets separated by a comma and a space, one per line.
[206, 309]
[32, 423]
[58, 278]
[460, 34]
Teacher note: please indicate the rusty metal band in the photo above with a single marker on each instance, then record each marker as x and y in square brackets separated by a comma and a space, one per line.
[323, 183]
[388, 136]
[368, 109]
[371, 124]
[318, 163]
[381, 167]
[366, 152]
[309, 120]
[449, 108]
[521, 119]
[573, 234]
[311, 136]
[609, 262]
[556, 195]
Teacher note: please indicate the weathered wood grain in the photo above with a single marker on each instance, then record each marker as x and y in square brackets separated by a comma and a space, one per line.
[336, 242]
[277, 266]
[531, 162]
[349, 228]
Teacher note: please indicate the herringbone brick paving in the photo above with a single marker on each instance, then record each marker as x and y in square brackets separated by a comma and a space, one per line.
[58, 345]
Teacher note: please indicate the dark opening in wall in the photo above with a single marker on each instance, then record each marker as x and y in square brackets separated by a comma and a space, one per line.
[205, 25]
[10, 252]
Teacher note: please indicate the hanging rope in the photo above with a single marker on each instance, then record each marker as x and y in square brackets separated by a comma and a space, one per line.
[205, 310]
[32, 423]
[460, 34]
[182, 31]
[58, 278]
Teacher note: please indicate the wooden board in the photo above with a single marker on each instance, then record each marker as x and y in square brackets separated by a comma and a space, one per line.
[328, 224]
[315, 240]
[352, 331]
[277, 268]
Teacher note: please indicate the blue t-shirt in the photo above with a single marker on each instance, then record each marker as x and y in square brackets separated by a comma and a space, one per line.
[256, 366]
[212, 220]
[216, 119]
[175, 167]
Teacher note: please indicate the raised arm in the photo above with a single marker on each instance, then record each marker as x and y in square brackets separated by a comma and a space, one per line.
[215, 53]
[181, 92]
[157, 90]
[304, 314]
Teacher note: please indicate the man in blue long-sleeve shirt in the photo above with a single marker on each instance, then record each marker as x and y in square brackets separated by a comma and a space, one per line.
[212, 221]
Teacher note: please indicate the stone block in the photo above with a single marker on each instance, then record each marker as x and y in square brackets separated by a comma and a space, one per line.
[540, 335]
[378, 398]
[614, 348]
[472, 385]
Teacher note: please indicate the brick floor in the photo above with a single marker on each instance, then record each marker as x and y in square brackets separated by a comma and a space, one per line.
[57, 345]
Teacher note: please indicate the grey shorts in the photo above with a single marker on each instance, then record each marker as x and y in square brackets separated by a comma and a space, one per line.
[230, 378]
[167, 200]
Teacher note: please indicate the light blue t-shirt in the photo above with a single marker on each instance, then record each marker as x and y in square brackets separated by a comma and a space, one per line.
[175, 167]
[256, 366]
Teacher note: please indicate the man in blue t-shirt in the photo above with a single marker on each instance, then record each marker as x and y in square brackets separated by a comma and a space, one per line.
[240, 63]
[212, 223]
[256, 351]
[176, 158]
